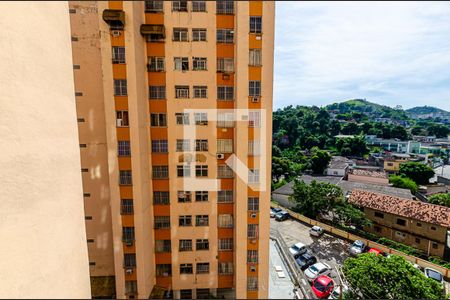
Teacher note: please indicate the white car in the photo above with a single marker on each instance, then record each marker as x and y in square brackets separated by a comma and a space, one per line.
[274, 211]
[337, 291]
[316, 270]
[298, 249]
[316, 231]
[433, 274]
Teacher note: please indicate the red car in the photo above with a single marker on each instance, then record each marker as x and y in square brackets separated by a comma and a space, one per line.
[322, 286]
[375, 250]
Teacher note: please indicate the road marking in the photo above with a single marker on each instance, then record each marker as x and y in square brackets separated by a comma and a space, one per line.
[304, 281]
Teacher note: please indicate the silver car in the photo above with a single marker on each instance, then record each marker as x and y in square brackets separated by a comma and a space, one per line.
[433, 274]
[316, 231]
[357, 248]
[316, 270]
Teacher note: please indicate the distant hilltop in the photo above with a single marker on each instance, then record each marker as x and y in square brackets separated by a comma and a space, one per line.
[426, 112]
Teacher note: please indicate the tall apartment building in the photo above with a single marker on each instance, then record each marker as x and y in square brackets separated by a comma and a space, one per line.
[165, 214]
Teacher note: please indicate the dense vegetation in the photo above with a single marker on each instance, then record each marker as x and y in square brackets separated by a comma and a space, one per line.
[417, 172]
[440, 199]
[403, 183]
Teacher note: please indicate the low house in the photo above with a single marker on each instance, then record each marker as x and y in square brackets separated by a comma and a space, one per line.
[338, 166]
[368, 176]
[418, 224]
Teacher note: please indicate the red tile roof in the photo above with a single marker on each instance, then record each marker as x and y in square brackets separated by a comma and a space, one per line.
[429, 213]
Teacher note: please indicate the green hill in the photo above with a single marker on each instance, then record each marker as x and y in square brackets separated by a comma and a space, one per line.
[427, 111]
[371, 110]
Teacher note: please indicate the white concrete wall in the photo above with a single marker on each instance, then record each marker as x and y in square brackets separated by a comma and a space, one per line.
[42, 231]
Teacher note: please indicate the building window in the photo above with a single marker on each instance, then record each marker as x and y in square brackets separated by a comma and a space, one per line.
[433, 228]
[198, 34]
[390, 164]
[254, 119]
[224, 7]
[181, 63]
[201, 171]
[255, 24]
[202, 244]
[184, 196]
[118, 55]
[225, 221]
[129, 260]
[200, 91]
[225, 268]
[183, 145]
[157, 92]
[201, 196]
[161, 198]
[185, 245]
[122, 118]
[158, 120]
[225, 36]
[128, 234]
[179, 5]
[253, 204]
[419, 224]
[434, 245]
[224, 146]
[120, 87]
[160, 172]
[185, 220]
[201, 118]
[199, 63]
[400, 235]
[163, 270]
[199, 6]
[401, 222]
[225, 120]
[125, 177]
[186, 269]
[186, 294]
[252, 231]
[123, 148]
[203, 294]
[379, 215]
[201, 220]
[252, 256]
[184, 171]
[202, 268]
[377, 229]
[254, 88]
[153, 6]
[182, 118]
[163, 246]
[225, 196]
[131, 287]
[156, 64]
[160, 146]
[162, 222]
[253, 176]
[180, 35]
[225, 244]
[224, 171]
[417, 241]
[181, 91]
[254, 148]
[255, 57]
[225, 64]
[201, 145]
[126, 206]
[225, 92]
[252, 283]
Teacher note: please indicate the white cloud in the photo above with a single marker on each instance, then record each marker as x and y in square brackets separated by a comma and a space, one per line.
[388, 52]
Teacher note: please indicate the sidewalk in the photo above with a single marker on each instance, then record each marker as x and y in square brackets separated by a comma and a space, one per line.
[279, 288]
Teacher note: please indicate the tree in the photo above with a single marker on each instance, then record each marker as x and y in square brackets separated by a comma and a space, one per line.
[403, 183]
[399, 132]
[355, 146]
[440, 131]
[380, 277]
[440, 199]
[281, 167]
[418, 172]
[347, 214]
[319, 160]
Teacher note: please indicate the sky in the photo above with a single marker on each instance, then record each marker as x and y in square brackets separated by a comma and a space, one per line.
[391, 53]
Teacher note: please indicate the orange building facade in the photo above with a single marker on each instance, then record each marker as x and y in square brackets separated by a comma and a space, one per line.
[167, 215]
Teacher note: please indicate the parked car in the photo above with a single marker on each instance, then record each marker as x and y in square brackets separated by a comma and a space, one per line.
[322, 286]
[357, 248]
[317, 270]
[337, 291]
[282, 215]
[316, 231]
[297, 249]
[305, 260]
[375, 251]
[274, 211]
[433, 274]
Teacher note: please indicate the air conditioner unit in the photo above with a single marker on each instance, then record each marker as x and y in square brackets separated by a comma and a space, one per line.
[253, 241]
[225, 76]
[253, 215]
[115, 33]
[129, 243]
[129, 271]
[252, 269]
[220, 156]
[119, 122]
[255, 99]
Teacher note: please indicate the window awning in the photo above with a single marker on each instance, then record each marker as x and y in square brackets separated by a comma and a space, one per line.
[114, 16]
[147, 29]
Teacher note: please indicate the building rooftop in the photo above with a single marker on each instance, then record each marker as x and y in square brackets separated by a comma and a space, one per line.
[368, 173]
[339, 162]
[426, 212]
